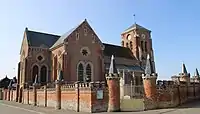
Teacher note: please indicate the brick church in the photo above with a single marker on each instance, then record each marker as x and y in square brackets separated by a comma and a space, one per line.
[82, 56]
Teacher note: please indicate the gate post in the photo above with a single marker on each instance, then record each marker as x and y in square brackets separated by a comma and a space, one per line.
[78, 94]
[149, 82]
[45, 95]
[58, 94]
[17, 93]
[28, 94]
[9, 93]
[35, 94]
[113, 87]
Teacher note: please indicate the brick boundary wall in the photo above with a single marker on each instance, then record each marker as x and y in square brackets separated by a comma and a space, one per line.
[171, 95]
[83, 97]
[77, 97]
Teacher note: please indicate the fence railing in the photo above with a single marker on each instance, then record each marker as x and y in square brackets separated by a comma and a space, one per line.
[132, 90]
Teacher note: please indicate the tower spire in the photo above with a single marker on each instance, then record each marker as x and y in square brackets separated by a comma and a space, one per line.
[134, 19]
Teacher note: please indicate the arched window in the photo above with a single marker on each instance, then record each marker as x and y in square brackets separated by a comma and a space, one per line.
[34, 72]
[131, 45]
[122, 43]
[55, 67]
[142, 46]
[127, 44]
[80, 72]
[43, 74]
[145, 46]
[88, 73]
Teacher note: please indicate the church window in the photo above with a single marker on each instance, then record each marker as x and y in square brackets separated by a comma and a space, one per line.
[131, 45]
[80, 72]
[127, 44]
[142, 46]
[122, 43]
[39, 58]
[77, 36]
[85, 31]
[85, 51]
[145, 46]
[88, 73]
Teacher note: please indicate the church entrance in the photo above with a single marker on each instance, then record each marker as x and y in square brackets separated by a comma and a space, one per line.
[43, 74]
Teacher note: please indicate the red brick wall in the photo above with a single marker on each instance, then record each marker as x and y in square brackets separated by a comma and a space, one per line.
[164, 96]
[88, 101]
[99, 105]
[25, 96]
[31, 96]
[40, 97]
[51, 97]
[69, 99]
[14, 95]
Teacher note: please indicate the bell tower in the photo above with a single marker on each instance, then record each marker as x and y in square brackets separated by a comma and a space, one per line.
[138, 40]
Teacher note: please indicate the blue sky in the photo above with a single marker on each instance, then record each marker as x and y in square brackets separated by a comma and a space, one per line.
[174, 24]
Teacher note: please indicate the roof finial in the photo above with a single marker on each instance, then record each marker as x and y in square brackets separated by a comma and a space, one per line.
[149, 68]
[112, 69]
[134, 19]
[184, 70]
[196, 73]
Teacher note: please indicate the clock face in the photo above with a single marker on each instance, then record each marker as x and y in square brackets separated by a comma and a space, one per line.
[129, 37]
[143, 36]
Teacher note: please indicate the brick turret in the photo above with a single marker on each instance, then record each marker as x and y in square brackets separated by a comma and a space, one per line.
[149, 81]
[113, 87]
[184, 76]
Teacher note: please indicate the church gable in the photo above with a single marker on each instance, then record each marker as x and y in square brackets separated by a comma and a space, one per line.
[24, 45]
[84, 37]
[83, 30]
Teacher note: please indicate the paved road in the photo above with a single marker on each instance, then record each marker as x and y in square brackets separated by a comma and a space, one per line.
[17, 108]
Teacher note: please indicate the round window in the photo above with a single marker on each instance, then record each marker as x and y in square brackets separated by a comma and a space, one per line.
[40, 58]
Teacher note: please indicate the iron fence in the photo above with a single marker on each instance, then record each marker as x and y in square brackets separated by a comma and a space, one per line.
[131, 91]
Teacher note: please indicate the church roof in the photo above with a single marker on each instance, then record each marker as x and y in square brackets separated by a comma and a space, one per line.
[117, 51]
[38, 39]
[135, 26]
[62, 38]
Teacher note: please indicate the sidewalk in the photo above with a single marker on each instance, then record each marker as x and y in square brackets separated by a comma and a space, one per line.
[192, 108]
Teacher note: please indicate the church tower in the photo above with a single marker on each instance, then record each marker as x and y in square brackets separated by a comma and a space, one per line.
[138, 40]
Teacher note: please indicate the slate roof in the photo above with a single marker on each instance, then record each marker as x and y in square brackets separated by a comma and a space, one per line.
[62, 38]
[117, 51]
[122, 66]
[135, 26]
[38, 39]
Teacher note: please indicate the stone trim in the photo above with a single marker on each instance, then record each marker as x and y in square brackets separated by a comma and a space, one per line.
[147, 76]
